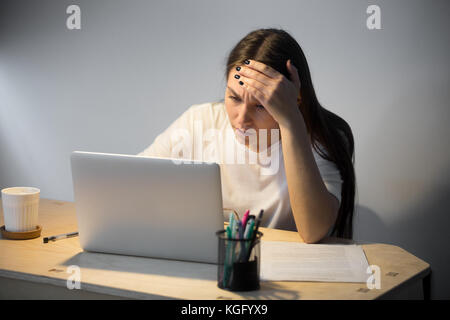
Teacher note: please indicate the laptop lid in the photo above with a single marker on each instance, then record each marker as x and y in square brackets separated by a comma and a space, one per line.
[144, 206]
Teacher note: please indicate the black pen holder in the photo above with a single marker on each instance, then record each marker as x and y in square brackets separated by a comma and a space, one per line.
[239, 262]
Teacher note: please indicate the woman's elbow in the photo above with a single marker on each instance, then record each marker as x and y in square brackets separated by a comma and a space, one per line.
[312, 239]
[318, 234]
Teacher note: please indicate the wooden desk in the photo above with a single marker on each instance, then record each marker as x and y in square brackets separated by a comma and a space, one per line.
[32, 269]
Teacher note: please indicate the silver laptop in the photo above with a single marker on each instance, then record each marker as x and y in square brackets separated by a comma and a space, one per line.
[144, 206]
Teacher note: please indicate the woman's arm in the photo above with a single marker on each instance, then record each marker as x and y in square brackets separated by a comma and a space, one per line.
[314, 208]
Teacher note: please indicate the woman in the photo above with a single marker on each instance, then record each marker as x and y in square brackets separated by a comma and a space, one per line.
[309, 183]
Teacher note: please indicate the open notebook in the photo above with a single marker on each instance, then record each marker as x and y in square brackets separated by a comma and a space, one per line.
[294, 261]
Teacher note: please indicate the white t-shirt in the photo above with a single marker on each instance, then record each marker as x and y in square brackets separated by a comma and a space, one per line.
[203, 132]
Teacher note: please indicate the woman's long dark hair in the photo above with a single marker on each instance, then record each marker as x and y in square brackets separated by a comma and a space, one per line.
[274, 47]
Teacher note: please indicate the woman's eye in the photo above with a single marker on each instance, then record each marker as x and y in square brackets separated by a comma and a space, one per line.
[259, 106]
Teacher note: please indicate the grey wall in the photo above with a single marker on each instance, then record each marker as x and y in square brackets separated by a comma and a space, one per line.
[136, 65]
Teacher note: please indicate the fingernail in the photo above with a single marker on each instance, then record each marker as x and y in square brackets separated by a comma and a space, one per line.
[238, 68]
[241, 83]
[237, 76]
[246, 61]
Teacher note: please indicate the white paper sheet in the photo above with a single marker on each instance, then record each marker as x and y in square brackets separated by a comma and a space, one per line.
[294, 261]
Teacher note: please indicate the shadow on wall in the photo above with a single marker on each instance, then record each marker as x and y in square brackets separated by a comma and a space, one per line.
[368, 225]
[421, 229]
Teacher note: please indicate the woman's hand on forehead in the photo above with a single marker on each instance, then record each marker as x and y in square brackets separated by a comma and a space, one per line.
[271, 88]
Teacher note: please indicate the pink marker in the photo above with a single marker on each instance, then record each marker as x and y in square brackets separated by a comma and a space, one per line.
[244, 219]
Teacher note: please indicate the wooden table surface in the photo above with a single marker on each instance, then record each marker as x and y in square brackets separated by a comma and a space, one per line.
[146, 278]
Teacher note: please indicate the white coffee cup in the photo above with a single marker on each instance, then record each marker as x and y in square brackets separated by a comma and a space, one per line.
[20, 208]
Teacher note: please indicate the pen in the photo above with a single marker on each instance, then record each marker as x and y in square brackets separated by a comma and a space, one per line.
[258, 221]
[255, 233]
[60, 236]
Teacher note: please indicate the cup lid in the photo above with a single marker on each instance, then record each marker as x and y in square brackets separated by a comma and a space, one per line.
[20, 191]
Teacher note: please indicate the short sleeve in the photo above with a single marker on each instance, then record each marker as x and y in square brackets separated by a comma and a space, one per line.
[330, 175]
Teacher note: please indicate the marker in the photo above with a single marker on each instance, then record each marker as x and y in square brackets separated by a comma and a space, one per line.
[249, 228]
[240, 229]
[226, 269]
[244, 219]
[60, 236]
[232, 247]
[247, 235]
[232, 227]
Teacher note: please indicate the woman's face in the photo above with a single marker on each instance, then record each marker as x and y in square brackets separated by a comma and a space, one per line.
[245, 112]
